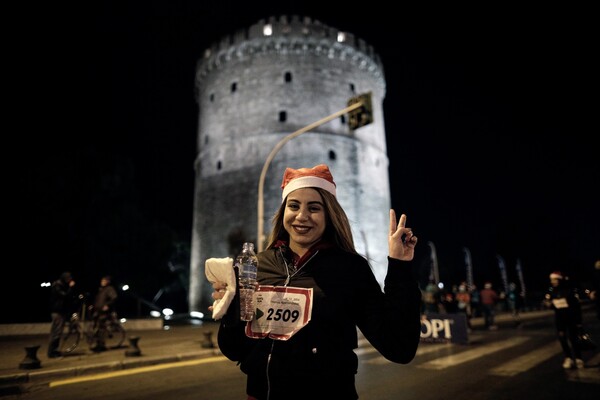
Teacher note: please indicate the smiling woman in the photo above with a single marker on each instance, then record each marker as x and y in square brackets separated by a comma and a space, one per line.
[314, 291]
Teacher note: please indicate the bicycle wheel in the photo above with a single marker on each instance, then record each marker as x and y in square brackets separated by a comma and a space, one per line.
[90, 333]
[114, 335]
[70, 339]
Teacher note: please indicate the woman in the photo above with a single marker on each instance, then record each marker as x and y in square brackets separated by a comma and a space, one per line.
[311, 253]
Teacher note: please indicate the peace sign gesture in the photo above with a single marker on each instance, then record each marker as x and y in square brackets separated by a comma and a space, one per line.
[401, 240]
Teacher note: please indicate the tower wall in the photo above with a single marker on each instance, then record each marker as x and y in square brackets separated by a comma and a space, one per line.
[252, 91]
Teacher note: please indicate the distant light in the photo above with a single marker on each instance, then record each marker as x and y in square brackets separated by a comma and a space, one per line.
[167, 312]
[125, 287]
[341, 37]
[441, 285]
[155, 314]
[45, 284]
[268, 30]
[196, 314]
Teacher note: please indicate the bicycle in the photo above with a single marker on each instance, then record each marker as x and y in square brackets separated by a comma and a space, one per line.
[109, 329]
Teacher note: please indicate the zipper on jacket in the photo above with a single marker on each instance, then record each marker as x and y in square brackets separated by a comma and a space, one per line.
[267, 371]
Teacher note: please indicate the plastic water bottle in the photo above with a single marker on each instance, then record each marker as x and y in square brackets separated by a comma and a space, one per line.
[247, 264]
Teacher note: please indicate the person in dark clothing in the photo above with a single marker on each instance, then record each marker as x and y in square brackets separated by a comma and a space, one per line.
[315, 290]
[563, 298]
[62, 304]
[103, 307]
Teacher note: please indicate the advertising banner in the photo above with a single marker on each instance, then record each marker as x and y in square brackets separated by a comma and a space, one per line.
[444, 328]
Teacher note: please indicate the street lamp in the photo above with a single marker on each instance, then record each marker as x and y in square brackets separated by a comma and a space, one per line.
[360, 113]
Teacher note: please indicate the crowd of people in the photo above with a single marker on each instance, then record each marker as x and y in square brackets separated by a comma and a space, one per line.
[563, 296]
[472, 302]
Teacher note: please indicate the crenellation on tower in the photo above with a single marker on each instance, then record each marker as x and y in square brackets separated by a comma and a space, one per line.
[295, 36]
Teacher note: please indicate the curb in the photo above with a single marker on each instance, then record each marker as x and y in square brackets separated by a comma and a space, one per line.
[41, 377]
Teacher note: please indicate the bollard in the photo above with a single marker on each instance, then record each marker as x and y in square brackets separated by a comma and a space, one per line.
[207, 343]
[30, 361]
[134, 350]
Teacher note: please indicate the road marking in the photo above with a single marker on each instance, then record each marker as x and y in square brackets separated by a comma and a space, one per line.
[422, 349]
[133, 371]
[455, 359]
[585, 375]
[527, 361]
[589, 374]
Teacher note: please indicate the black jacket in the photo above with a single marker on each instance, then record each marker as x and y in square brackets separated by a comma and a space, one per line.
[346, 295]
[62, 298]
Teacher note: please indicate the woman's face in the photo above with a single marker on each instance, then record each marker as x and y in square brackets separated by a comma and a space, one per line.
[304, 219]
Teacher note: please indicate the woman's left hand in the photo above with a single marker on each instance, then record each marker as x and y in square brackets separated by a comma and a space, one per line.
[401, 240]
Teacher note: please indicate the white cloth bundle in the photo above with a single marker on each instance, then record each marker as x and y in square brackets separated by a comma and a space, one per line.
[221, 269]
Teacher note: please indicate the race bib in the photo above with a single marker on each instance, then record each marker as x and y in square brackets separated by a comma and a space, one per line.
[281, 311]
[560, 303]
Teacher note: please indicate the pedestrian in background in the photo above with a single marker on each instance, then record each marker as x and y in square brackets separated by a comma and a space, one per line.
[489, 297]
[311, 252]
[562, 296]
[103, 307]
[513, 300]
[62, 304]
[463, 302]
[431, 298]
[475, 301]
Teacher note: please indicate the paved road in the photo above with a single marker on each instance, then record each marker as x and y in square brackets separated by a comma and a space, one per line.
[179, 343]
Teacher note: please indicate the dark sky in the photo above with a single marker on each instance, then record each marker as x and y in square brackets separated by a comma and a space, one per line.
[488, 116]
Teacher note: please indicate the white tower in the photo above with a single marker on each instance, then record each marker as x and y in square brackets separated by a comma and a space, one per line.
[254, 88]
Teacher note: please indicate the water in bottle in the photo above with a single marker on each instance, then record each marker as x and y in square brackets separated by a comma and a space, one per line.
[247, 264]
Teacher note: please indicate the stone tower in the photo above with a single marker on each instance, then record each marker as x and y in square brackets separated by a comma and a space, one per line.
[254, 88]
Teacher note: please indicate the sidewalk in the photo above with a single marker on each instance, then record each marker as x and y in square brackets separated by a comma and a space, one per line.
[179, 343]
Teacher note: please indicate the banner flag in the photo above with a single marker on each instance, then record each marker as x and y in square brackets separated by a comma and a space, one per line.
[469, 267]
[521, 279]
[434, 272]
[502, 267]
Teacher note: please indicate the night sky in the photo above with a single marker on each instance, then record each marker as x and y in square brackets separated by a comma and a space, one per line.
[488, 115]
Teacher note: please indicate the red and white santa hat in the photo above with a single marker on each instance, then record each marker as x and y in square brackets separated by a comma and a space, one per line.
[556, 275]
[315, 177]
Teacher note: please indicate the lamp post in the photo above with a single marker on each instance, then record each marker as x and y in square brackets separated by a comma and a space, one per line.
[361, 105]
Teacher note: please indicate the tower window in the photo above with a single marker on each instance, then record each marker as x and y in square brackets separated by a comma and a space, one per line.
[219, 166]
[352, 88]
[211, 97]
[332, 155]
[287, 77]
[233, 87]
[282, 116]
[343, 119]
[206, 139]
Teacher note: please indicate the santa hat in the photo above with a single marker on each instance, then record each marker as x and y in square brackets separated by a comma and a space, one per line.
[556, 275]
[315, 177]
